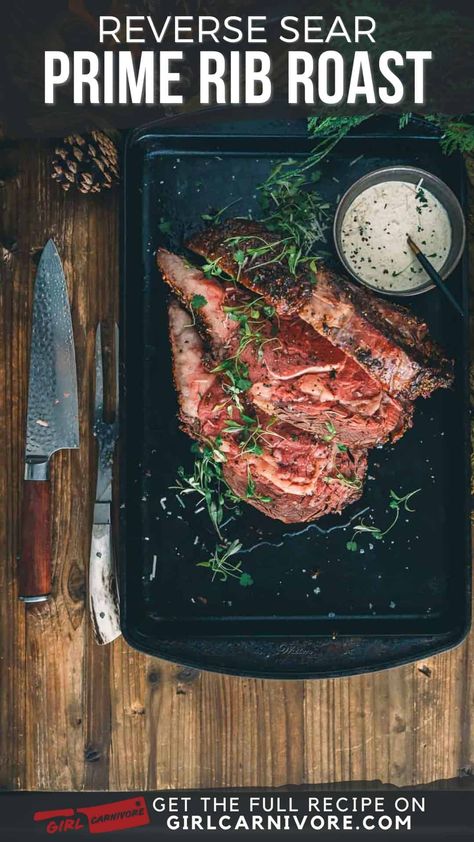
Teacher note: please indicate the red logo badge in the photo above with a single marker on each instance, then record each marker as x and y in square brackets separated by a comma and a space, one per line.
[104, 818]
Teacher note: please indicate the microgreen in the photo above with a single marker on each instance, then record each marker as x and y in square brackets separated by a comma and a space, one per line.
[214, 218]
[250, 432]
[329, 131]
[208, 483]
[292, 207]
[165, 226]
[396, 503]
[221, 565]
[331, 431]
[198, 301]
[252, 318]
[349, 482]
[251, 490]
[212, 268]
[267, 252]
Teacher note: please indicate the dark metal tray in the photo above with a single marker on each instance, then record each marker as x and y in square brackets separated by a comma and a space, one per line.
[390, 602]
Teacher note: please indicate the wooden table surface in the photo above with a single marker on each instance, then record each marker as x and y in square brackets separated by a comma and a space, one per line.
[74, 715]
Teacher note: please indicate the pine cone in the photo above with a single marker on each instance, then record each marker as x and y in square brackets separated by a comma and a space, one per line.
[88, 162]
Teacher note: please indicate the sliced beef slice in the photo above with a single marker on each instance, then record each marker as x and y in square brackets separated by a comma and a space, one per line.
[387, 340]
[297, 375]
[304, 478]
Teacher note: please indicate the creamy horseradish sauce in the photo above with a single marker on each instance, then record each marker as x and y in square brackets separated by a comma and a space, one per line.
[374, 234]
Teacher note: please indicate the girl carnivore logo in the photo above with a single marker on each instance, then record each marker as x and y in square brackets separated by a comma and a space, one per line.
[103, 818]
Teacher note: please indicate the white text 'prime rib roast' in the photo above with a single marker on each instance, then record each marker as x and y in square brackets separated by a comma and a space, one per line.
[308, 368]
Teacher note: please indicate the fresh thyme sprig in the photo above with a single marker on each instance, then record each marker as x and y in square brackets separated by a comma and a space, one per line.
[221, 566]
[395, 502]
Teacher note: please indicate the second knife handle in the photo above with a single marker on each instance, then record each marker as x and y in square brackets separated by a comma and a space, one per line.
[35, 561]
[103, 597]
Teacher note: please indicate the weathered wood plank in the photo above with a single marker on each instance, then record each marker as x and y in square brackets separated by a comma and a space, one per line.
[75, 715]
[55, 632]
[12, 408]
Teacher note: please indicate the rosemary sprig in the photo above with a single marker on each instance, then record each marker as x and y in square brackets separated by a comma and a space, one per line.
[221, 566]
[395, 502]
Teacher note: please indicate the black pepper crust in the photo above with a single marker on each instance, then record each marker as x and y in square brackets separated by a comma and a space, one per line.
[399, 325]
[285, 290]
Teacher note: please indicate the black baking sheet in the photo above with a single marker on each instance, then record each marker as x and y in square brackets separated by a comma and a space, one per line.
[306, 582]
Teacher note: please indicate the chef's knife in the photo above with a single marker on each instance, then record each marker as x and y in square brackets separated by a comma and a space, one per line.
[103, 596]
[52, 422]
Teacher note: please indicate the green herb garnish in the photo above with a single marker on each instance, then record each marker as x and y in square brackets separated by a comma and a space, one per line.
[165, 226]
[220, 565]
[251, 493]
[331, 431]
[208, 483]
[350, 482]
[456, 132]
[214, 218]
[395, 502]
[212, 268]
[198, 301]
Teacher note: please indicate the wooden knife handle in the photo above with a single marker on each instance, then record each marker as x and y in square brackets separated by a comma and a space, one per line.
[35, 562]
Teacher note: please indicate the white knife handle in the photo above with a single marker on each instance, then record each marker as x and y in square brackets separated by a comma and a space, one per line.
[103, 598]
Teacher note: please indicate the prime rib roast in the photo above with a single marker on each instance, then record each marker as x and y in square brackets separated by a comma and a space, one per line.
[295, 477]
[389, 341]
[330, 370]
[299, 376]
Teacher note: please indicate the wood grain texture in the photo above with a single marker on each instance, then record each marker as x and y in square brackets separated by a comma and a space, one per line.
[76, 715]
[34, 574]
